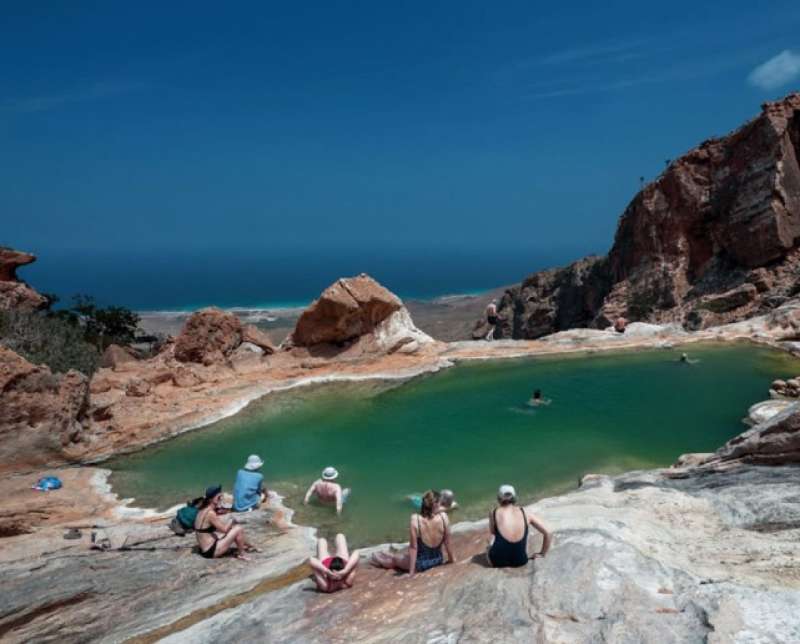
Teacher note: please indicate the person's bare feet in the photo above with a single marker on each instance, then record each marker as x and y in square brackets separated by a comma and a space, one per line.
[242, 557]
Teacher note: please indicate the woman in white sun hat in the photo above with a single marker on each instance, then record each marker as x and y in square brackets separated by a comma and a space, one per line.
[508, 524]
[248, 490]
[327, 490]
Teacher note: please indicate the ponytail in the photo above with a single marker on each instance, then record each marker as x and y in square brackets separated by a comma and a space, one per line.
[429, 501]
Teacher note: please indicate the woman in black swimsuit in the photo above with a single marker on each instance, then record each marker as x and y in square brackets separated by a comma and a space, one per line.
[429, 526]
[508, 547]
[208, 526]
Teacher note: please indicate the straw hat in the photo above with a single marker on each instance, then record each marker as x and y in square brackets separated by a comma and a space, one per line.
[330, 474]
[254, 462]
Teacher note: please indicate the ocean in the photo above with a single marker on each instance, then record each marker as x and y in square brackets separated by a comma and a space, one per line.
[183, 280]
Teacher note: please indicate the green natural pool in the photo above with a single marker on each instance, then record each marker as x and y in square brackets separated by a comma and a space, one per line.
[466, 428]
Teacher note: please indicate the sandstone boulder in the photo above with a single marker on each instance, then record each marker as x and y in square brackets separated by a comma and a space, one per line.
[138, 388]
[42, 415]
[208, 337]
[185, 377]
[254, 335]
[346, 310]
[14, 293]
[115, 356]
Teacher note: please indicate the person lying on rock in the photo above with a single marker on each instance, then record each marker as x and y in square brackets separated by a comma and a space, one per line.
[336, 572]
[508, 524]
[327, 491]
[248, 490]
[215, 537]
[430, 526]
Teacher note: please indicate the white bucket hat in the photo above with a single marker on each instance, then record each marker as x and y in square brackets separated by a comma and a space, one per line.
[506, 493]
[254, 462]
[330, 474]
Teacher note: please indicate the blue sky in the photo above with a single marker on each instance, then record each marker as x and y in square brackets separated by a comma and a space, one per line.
[274, 126]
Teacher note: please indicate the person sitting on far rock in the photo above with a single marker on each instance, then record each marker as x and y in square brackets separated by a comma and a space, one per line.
[491, 318]
[619, 325]
[427, 527]
[248, 490]
[214, 536]
[336, 572]
[537, 400]
[508, 524]
[327, 491]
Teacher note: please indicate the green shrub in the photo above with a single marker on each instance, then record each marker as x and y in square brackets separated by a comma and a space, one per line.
[53, 340]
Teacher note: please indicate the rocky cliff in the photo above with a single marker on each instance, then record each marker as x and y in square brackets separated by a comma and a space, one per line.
[43, 416]
[14, 293]
[712, 240]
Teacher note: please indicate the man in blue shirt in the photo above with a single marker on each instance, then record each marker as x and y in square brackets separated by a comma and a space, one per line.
[248, 491]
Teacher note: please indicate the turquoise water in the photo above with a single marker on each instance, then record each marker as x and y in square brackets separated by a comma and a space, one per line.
[466, 428]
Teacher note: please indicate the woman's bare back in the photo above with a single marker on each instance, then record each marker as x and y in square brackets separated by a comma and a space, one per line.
[510, 522]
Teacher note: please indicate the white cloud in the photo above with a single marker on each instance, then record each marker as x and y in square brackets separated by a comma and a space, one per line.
[777, 71]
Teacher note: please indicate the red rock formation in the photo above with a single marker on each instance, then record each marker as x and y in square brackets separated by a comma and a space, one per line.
[14, 293]
[208, 337]
[346, 310]
[115, 356]
[42, 415]
[712, 240]
[254, 335]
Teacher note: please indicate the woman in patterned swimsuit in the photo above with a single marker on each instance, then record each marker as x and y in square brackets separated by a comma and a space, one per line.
[427, 527]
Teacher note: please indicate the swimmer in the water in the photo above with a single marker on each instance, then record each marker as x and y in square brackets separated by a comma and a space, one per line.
[327, 491]
[447, 501]
[685, 359]
[537, 400]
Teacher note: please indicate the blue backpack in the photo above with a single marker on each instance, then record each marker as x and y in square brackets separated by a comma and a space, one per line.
[48, 483]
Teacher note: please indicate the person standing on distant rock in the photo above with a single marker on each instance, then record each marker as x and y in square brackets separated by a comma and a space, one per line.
[337, 572]
[491, 318]
[327, 491]
[248, 490]
[508, 524]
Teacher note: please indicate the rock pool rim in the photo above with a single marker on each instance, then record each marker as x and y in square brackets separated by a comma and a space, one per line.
[125, 506]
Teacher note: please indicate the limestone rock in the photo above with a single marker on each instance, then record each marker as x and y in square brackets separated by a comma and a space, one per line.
[208, 337]
[254, 335]
[185, 377]
[115, 356]
[14, 293]
[138, 388]
[764, 411]
[42, 414]
[346, 310]
[711, 241]
[774, 441]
